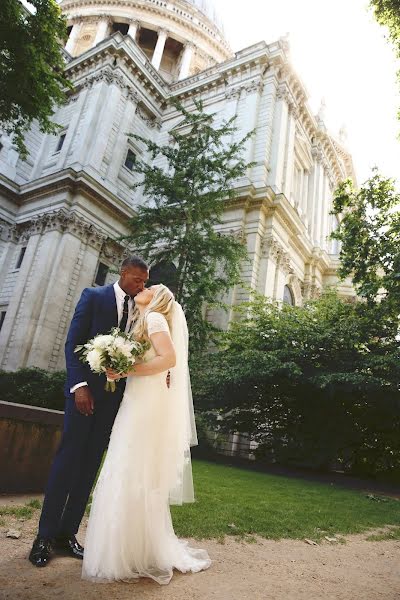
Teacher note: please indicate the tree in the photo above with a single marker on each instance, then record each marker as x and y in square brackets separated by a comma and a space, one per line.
[315, 385]
[31, 66]
[387, 13]
[369, 232]
[185, 200]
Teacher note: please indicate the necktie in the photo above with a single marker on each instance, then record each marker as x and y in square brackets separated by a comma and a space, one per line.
[124, 318]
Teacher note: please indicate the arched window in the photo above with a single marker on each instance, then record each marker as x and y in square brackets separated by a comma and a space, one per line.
[288, 297]
[164, 272]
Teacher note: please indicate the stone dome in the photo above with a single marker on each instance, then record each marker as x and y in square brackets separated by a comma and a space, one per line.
[207, 7]
[180, 37]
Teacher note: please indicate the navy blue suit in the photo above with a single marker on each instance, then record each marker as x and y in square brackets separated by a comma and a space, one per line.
[84, 438]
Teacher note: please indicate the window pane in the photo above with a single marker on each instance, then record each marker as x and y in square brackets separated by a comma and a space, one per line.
[288, 297]
[101, 274]
[130, 159]
[2, 317]
[20, 258]
[61, 142]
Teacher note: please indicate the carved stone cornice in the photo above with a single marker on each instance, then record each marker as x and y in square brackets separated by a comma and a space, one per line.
[310, 290]
[271, 248]
[113, 252]
[108, 76]
[150, 121]
[59, 220]
[282, 93]
[317, 154]
[252, 86]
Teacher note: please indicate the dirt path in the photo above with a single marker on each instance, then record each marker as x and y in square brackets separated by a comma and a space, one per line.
[264, 570]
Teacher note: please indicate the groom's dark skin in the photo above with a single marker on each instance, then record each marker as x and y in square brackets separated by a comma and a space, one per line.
[132, 281]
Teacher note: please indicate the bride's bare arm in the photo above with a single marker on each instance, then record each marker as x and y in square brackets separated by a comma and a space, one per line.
[165, 359]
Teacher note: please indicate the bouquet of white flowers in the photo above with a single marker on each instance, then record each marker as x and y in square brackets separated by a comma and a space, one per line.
[115, 350]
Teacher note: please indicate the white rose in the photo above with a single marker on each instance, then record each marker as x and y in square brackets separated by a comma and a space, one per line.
[102, 341]
[123, 346]
[94, 359]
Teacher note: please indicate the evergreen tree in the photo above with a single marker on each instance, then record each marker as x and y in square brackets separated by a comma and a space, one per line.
[31, 66]
[185, 200]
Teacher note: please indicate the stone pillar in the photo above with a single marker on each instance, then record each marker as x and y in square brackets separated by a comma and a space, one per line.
[277, 161]
[268, 266]
[312, 196]
[102, 30]
[100, 135]
[325, 209]
[73, 37]
[159, 49]
[133, 29]
[120, 146]
[61, 247]
[263, 137]
[289, 154]
[186, 61]
[8, 156]
[254, 231]
[318, 203]
[76, 256]
[88, 124]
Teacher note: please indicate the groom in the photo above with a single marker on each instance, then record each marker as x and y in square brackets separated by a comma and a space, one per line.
[89, 414]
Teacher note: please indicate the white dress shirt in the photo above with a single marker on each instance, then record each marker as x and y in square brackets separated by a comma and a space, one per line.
[119, 299]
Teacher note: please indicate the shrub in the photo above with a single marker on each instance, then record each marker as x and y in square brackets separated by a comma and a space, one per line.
[315, 386]
[33, 386]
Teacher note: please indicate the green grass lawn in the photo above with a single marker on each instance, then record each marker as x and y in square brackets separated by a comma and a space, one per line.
[232, 501]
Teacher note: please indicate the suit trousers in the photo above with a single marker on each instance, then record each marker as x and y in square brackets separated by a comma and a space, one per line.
[76, 464]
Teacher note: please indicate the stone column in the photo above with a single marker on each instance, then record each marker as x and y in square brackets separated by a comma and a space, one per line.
[159, 49]
[102, 30]
[289, 154]
[62, 248]
[133, 29]
[73, 37]
[120, 146]
[263, 137]
[186, 60]
[318, 203]
[275, 179]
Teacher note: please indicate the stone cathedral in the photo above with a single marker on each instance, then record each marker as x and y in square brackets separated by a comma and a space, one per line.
[62, 208]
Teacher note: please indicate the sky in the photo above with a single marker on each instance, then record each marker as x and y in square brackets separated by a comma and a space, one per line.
[342, 56]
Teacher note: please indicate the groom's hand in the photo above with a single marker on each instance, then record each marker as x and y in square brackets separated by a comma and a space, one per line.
[84, 400]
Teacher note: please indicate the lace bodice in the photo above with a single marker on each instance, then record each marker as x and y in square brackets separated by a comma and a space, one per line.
[156, 323]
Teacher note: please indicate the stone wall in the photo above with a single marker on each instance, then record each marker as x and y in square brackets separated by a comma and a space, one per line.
[29, 437]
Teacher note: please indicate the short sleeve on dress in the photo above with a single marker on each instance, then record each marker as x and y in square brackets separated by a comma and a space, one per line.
[156, 323]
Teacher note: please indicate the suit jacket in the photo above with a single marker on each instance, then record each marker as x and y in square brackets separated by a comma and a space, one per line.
[96, 312]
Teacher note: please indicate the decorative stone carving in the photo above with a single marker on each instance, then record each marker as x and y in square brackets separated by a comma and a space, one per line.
[151, 122]
[113, 252]
[107, 75]
[248, 88]
[59, 220]
[310, 290]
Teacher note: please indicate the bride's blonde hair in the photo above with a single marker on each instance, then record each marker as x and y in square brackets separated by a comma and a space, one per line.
[162, 302]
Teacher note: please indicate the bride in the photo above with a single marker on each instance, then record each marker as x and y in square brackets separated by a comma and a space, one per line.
[147, 466]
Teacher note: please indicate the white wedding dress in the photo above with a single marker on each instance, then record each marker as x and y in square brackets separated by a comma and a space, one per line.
[130, 532]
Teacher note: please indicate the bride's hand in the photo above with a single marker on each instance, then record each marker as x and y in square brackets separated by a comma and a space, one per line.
[113, 375]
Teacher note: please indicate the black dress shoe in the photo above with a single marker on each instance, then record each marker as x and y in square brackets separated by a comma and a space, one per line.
[41, 552]
[69, 544]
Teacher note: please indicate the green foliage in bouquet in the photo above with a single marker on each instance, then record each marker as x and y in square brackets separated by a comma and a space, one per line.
[116, 350]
